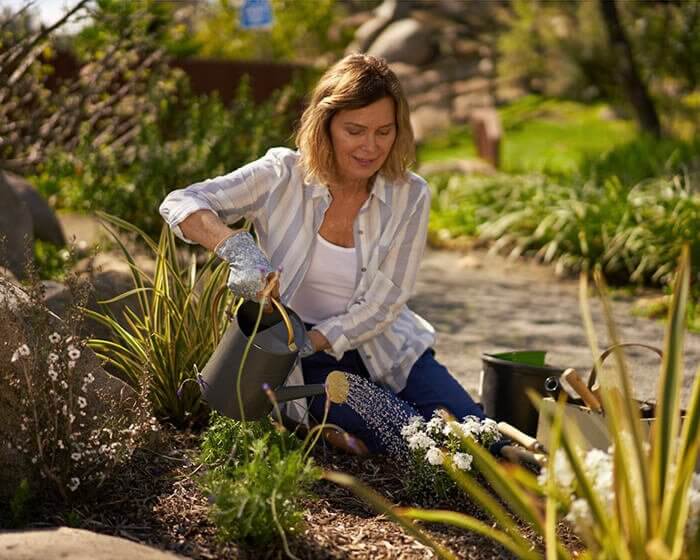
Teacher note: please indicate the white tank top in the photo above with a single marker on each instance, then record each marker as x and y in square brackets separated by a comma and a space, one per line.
[329, 282]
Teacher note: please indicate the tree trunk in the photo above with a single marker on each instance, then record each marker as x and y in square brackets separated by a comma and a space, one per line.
[634, 86]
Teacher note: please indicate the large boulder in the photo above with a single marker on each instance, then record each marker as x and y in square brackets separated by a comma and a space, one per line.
[74, 544]
[387, 12]
[16, 226]
[405, 40]
[46, 225]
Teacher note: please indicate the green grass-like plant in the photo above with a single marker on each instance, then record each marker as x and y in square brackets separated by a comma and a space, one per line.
[646, 515]
[176, 325]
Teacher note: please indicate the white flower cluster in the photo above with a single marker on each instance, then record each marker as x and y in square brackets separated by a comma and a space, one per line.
[58, 430]
[441, 435]
[598, 466]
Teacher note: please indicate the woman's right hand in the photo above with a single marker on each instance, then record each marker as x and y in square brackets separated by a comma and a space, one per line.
[249, 268]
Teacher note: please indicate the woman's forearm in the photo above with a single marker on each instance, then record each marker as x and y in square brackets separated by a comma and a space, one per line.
[205, 227]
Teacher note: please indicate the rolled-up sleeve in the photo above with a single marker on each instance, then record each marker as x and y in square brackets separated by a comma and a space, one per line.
[239, 194]
[389, 289]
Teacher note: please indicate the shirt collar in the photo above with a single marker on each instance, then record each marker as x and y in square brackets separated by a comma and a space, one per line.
[380, 189]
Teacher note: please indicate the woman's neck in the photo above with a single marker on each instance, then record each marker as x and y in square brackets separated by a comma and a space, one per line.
[349, 188]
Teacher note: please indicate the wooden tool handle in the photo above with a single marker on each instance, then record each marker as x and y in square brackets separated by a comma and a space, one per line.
[577, 384]
[528, 442]
[519, 455]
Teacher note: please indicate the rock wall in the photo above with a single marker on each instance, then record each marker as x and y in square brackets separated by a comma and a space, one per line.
[444, 53]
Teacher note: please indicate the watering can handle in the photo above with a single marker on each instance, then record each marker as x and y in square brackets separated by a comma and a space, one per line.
[287, 323]
[610, 349]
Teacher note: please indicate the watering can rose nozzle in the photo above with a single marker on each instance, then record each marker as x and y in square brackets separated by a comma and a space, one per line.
[337, 387]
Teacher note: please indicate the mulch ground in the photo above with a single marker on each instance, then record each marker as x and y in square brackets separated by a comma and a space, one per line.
[156, 501]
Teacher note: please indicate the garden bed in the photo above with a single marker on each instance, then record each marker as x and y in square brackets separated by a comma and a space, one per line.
[155, 500]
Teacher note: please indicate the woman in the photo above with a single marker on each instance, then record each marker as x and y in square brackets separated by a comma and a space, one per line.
[345, 223]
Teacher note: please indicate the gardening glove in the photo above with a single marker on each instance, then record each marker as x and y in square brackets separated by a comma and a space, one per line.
[248, 265]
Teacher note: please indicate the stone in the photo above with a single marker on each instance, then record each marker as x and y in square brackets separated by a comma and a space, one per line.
[57, 297]
[16, 227]
[405, 40]
[462, 166]
[428, 120]
[46, 224]
[387, 12]
[486, 125]
[464, 105]
[75, 544]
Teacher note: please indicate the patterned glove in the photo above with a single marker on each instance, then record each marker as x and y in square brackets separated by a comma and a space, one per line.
[248, 266]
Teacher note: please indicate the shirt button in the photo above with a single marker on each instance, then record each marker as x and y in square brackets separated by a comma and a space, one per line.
[360, 232]
[363, 269]
[369, 357]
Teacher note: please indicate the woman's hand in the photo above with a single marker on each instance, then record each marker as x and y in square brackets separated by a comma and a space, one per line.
[315, 342]
[249, 268]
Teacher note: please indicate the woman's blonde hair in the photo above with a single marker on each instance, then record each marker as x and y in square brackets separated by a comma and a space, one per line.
[354, 82]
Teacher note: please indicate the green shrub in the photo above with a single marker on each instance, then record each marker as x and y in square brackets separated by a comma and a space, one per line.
[643, 158]
[224, 444]
[257, 475]
[635, 234]
[191, 139]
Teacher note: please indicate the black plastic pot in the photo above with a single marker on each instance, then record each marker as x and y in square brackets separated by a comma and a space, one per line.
[505, 380]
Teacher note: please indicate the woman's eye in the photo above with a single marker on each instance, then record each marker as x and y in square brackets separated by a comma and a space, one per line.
[385, 132]
[354, 132]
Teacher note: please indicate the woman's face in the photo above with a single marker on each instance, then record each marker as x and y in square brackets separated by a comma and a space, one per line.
[362, 139]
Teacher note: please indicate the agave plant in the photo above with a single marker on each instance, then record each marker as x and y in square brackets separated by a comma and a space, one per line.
[178, 321]
[646, 510]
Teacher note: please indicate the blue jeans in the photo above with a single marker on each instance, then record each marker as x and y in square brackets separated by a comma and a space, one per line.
[429, 387]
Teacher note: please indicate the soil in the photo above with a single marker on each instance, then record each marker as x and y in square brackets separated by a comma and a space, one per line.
[156, 501]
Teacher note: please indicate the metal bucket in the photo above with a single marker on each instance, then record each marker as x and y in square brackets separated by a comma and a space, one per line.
[270, 360]
[505, 379]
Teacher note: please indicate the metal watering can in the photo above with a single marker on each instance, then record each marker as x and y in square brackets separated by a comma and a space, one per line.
[269, 362]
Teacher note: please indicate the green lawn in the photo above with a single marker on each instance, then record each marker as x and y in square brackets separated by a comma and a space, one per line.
[546, 135]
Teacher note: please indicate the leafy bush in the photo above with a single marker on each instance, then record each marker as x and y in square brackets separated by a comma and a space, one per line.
[191, 139]
[644, 158]
[175, 328]
[257, 476]
[635, 234]
[66, 432]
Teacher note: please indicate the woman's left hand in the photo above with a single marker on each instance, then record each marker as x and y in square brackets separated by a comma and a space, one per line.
[315, 342]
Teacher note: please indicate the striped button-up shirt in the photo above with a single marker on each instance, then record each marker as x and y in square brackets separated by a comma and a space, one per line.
[287, 212]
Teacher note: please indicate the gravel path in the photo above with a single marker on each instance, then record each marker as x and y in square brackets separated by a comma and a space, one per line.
[486, 303]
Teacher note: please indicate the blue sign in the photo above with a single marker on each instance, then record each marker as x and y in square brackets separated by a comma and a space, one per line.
[256, 14]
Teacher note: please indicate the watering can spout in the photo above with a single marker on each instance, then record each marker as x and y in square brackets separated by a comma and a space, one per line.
[294, 392]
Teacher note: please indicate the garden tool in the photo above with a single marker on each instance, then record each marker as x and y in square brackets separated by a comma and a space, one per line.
[250, 392]
[580, 388]
[528, 442]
